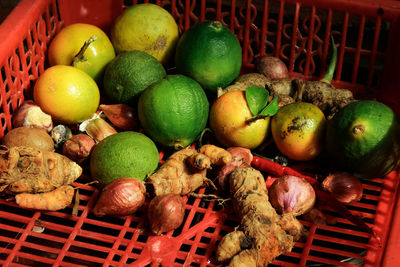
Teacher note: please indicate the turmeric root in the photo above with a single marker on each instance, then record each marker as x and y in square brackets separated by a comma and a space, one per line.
[57, 199]
[29, 170]
[217, 155]
[259, 223]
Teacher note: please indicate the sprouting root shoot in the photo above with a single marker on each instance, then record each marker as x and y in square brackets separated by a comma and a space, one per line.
[262, 235]
[29, 170]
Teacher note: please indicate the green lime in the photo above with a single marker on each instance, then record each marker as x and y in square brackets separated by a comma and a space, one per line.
[128, 74]
[209, 53]
[363, 138]
[173, 111]
[125, 154]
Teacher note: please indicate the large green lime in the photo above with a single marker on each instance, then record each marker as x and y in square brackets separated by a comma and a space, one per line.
[363, 138]
[125, 154]
[128, 74]
[209, 53]
[173, 111]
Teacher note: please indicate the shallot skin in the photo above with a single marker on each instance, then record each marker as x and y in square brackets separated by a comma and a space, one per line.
[123, 196]
[271, 67]
[166, 213]
[345, 187]
[29, 114]
[78, 147]
[292, 194]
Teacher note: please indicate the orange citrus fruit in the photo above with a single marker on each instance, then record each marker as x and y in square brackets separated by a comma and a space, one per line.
[66, 93]
[298, 130]
[228, 116]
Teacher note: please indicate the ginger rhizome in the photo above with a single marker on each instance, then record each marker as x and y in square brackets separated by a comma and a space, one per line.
[263, 234]
[29, 170]
[185, 170]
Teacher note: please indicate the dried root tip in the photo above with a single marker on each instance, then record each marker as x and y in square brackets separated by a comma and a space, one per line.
[57, 199]
[217, 155]
[199, 161]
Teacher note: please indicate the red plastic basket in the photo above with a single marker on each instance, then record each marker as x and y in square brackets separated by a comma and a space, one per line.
[368, 33]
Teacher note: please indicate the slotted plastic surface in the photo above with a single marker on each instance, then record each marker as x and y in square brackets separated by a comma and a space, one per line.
[367, 35]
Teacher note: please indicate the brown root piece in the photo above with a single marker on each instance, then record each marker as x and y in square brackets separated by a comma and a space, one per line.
[57, 199]
[176, 175]
[243, 82]
[324, 95]
[259, 221]
[29, 170]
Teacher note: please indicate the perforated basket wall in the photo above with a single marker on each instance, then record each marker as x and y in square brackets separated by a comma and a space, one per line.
[367, 35]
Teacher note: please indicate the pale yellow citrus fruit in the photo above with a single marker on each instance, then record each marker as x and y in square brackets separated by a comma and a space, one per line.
[146, 27]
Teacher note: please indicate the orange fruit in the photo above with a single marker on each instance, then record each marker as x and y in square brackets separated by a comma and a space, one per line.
[298, 130]
[228, 115]
[68, 94]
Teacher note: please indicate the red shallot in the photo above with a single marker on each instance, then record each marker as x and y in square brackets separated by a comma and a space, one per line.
[78, 147]
[292, 194]
[29, 114]
[343, 186]
[123, 196]
[271, 67]
[166, 213]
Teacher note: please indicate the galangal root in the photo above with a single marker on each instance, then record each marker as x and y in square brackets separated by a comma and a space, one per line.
[322, 94]
[29, 170]
[263, 234]
[185, 170]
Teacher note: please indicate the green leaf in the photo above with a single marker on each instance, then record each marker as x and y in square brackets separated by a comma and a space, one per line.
[272, 108]
[257, 98]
